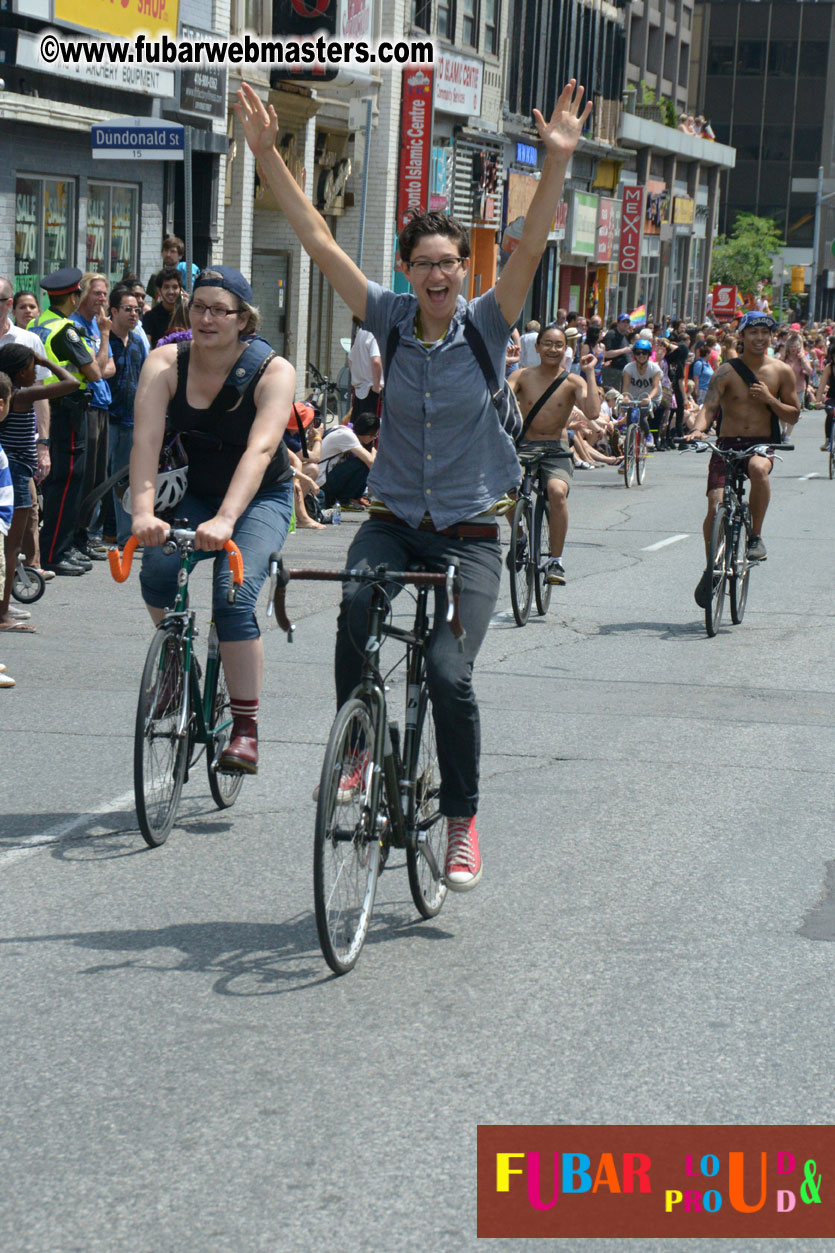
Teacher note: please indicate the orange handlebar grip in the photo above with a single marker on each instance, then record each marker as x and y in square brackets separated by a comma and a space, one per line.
[236, 561]
[120, 563]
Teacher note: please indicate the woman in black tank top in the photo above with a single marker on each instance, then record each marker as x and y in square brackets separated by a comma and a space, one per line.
[229, 398]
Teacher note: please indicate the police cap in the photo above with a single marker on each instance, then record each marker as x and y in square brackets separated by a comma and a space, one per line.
[62, 282]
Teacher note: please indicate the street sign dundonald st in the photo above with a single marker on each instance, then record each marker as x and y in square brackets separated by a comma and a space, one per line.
[138, 139]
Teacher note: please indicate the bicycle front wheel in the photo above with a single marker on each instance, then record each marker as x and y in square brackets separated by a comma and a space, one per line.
[520, 562]
[542, 531]
[640, 455]
[346, 848]
[224, 785]
[160, 754]
[426, 860]
[629, 463]
[741, 572]
[717, 565]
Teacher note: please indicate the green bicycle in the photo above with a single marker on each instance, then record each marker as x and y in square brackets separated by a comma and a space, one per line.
[175, 721]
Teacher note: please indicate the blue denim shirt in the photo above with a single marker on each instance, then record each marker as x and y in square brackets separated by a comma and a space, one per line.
[100, 390]
[442, 450]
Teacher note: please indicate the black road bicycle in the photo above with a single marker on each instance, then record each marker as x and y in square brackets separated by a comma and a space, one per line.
[731, 534]
[174, 719]
[530, 546]
[379, 789]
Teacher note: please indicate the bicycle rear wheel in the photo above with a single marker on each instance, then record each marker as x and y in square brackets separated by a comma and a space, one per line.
[224, 785]
[160, 754]
[629, 464]
[640, 455]
[542, 531]
[520, 562]
[717, 565]
[427, 860]
[741, 570]
[28, 584]
[346, 847]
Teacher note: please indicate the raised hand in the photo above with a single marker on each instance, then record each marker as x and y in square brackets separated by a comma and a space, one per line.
[561, 135]
[260, 124]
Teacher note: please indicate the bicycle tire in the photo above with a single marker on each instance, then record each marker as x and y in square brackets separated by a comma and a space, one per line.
[160, 755]
[28, 586]
[521, 563]
[224, 785]
[717, 564]
[346, 846]
[629, 467]
[741, 570]
[428, 891]
[542, 532]
[640, 456]
[832, 453]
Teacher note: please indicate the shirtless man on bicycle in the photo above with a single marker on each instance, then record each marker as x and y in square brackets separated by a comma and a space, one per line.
[751, 413]
[545, 441]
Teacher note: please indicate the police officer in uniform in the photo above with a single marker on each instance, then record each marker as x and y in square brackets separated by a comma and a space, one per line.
[62, 490]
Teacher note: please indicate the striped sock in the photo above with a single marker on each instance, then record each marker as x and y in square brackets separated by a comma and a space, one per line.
[244, 717]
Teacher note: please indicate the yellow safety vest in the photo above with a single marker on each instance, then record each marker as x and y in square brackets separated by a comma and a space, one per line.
[46, 327]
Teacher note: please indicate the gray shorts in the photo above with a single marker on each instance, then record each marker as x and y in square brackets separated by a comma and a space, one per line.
[553, 456]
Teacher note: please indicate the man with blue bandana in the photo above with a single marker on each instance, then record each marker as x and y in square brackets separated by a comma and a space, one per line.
[751, 413]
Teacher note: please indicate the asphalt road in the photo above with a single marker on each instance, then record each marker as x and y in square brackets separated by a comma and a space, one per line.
[651, 942]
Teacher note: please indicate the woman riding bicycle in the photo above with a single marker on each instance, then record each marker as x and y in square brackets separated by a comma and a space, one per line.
[443, 461]
[229, 398]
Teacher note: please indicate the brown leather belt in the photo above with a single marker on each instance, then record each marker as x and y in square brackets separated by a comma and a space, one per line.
[462, 530]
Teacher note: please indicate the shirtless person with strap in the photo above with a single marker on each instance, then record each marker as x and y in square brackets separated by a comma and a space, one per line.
[546, 396]
[751, 413]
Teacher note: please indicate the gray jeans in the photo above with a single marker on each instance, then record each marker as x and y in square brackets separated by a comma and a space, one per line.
[449, 671]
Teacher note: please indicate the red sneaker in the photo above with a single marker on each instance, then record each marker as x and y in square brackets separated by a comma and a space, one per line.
[351, 779]
[463, 859]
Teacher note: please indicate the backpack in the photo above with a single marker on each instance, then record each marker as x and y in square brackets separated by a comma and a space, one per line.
[504, 399]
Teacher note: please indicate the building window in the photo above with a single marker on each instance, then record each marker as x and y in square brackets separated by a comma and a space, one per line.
[111, 230]
[446, 19]
[469, 25]
[44, 229]
[422, 14]
[491, 26]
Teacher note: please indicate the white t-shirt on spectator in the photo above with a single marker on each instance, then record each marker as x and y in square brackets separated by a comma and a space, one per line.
[16, 335]
[359, 358]
[640, 385]
[336, 445]
[528, 356]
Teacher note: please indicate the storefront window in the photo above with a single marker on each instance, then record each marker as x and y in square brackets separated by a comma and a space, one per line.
[44, 229]
[648, 282]
[111, 229]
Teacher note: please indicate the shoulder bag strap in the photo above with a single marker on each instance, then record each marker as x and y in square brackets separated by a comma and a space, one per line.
[543, 399]
[482, 356]
[748, 376]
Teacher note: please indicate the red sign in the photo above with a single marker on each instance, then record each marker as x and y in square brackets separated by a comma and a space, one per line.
[415, 143]
[724, 302]
[632, 218]
[744, 1183]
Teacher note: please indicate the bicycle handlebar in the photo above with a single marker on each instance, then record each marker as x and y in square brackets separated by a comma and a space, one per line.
[280, 576]
[763, 449]
[120, 563]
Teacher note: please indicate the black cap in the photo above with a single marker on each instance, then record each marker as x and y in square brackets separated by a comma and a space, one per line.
[62, 282]
[230, 280]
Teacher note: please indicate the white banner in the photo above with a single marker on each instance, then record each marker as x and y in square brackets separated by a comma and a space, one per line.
[458, 84]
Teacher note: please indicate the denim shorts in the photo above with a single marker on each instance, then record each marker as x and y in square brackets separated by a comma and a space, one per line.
[21, 476]
[260, 530]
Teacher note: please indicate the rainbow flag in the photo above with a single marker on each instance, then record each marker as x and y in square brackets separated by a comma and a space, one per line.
[638, 316]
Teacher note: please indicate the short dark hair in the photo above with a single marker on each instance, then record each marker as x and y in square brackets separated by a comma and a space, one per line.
[18, 296]
[14, 358]
[5, 386]
[423, 224]
[167, 273]
[552, 326]
[365, 424]
[174, 241]
[119, 292]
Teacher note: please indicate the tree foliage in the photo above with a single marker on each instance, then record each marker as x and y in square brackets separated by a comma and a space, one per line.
[744, 257]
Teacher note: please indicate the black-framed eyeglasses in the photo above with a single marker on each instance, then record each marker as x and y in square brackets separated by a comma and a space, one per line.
[448, 266]
[214, 311]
